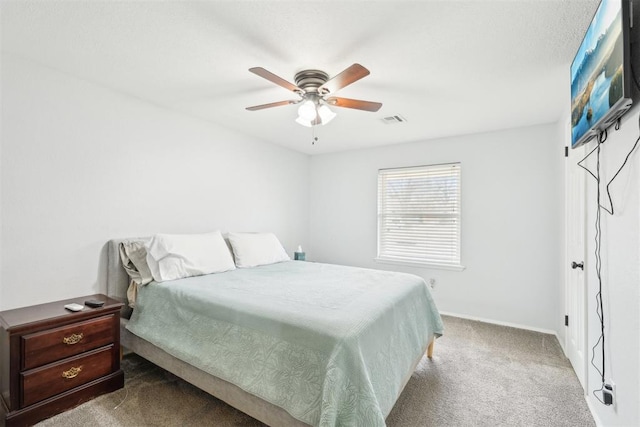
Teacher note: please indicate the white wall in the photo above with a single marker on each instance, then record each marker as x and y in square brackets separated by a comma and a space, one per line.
[512, 190]
[82, 164]
[620, 276]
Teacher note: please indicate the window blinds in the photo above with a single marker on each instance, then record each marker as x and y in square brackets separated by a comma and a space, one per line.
[419, 214]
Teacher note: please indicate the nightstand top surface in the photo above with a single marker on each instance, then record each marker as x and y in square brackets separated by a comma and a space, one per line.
[24, 316]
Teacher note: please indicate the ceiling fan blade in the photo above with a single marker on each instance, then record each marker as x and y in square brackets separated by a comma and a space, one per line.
[345, 78]
[354, 103]
[274, 79]
[273, 104]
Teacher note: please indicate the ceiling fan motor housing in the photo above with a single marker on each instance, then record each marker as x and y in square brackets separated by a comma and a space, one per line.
[311, 80]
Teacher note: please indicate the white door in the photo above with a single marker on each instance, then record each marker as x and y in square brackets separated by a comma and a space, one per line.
[575, 286]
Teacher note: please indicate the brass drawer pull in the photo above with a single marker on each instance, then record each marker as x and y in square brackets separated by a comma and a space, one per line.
[72, 339]
[72, 373]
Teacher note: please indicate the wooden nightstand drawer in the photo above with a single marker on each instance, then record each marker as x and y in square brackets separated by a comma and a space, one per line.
[40, 383]
[55, 344]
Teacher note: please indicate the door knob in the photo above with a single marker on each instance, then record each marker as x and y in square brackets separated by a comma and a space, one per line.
[575, 265]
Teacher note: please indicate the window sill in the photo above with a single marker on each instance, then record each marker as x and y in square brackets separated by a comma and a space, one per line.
[436, 266]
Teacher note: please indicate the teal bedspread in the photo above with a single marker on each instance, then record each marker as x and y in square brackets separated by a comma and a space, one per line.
[332, 345]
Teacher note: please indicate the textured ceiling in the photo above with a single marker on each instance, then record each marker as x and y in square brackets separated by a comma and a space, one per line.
[448, 67]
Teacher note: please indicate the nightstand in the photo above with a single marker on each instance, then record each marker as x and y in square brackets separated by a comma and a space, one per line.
[52, 359]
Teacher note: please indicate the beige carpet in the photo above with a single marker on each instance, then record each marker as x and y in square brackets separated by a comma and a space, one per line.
[481, 375]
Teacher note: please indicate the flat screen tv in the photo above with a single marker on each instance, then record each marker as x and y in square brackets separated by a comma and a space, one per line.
[600, 73]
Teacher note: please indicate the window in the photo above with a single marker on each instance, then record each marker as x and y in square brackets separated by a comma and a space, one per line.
[419, 215]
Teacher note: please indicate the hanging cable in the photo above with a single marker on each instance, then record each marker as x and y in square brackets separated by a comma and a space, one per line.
[610, 208]
[598, 247]
[598, 264]
[626, 159]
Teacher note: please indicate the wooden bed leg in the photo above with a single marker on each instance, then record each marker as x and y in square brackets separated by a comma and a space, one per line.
[430, 348]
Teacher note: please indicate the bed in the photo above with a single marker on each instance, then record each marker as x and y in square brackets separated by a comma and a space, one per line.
[291, 343]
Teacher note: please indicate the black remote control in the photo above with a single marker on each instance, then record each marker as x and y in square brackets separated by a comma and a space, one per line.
[94, 303]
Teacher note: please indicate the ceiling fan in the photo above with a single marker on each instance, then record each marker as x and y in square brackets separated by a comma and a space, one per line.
[313, 87]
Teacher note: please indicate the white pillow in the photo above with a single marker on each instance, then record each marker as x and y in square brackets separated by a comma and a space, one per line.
[253, 249]
[174, 256]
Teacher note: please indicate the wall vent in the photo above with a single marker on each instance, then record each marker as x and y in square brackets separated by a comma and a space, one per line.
[394, 119]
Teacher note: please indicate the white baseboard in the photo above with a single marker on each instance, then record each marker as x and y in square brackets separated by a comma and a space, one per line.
[594, 414]
[562, 343]
[498, 322]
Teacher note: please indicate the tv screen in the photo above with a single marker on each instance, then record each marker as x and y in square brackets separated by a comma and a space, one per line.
[600, 85]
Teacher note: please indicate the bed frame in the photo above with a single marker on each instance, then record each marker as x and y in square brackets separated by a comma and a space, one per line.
[117, 284]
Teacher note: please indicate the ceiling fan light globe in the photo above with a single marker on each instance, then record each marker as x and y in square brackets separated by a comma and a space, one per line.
[325, 113]
[307, 110]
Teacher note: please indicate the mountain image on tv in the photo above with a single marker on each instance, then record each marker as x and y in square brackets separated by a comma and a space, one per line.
[596, 72]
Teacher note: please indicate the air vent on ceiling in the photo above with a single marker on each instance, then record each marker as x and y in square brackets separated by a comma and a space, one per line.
[394, 119]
